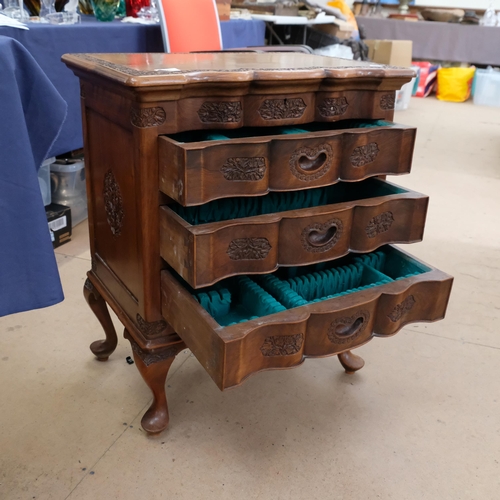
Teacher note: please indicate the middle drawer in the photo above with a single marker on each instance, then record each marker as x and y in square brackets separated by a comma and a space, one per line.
[223, 238]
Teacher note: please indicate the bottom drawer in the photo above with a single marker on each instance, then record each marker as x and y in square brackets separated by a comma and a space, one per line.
[247, 324]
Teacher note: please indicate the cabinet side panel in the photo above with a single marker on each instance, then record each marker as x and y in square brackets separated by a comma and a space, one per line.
[113, 183]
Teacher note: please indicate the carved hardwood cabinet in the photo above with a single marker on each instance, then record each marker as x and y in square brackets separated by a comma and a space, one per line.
[238, 206]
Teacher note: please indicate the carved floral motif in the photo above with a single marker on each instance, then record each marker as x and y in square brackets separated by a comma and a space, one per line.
[388, 101]
[362, 155]
[113, 203]
[401, 309]
[282, 345]
[379, 224]
[348, 328]
[244, 169]
[150, 329]
[321, 237]
[220, 112]
[281, 109]
[249, 249]
[310, 164]
[147, 117]
[155, 356]
[333, 106]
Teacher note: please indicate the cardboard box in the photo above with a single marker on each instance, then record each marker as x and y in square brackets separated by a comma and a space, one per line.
[391, 52]
[340, 29]
[59, 221]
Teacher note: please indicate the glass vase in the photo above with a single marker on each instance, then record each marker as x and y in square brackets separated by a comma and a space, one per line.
[105, 10]
[134, 6]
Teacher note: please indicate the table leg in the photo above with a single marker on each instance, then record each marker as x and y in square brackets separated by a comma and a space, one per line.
[273, 33]
[154, 366]
[351, 362]
[102, 349]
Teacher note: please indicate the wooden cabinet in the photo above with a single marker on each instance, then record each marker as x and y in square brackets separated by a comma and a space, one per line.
[234, 208]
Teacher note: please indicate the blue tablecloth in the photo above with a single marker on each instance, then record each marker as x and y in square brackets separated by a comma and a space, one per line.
[47, 43]
[31, 116]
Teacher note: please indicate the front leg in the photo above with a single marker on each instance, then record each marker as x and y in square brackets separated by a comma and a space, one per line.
[153, 366]
[101, 348]
[351, 362]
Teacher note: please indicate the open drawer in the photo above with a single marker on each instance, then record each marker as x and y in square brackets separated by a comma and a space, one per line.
[247, 324]
[196, 167]
[223, 238]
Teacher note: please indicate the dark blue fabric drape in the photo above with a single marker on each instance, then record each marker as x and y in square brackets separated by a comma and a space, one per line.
[31, 116]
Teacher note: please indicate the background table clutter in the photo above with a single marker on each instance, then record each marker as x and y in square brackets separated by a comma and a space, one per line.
[31, 116]
[439, 41]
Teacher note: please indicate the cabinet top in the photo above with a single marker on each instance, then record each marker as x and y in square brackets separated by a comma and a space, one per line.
[138, 70]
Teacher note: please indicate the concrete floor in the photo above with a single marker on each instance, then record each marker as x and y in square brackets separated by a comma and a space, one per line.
[420, 421]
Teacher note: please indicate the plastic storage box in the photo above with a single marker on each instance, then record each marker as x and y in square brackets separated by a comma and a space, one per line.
[403, 96]
[487, 87]
[44, 180]
[68, 187]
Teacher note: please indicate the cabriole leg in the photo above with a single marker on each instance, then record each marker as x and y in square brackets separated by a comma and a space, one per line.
[102, 349]
[153, 366]
[351, 362]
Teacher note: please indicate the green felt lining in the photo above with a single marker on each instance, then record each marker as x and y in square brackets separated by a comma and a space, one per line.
[242, 298]
[236, 208]
[247, 132]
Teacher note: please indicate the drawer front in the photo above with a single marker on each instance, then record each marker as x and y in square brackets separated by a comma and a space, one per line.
[284, 339]
[228, 110]
[207, 253]
[193, 173]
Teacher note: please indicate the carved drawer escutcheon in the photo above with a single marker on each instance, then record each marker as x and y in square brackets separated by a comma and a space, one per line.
[113, 203]
[249, 249]
[335, 106]
[147, 117]
[346, 329]
[282, 345]
[220, 112]
[401, 309]
[379, 224]
[309, 164]
[244, 169]
[387, 101]
[322, 237]
[362, 155]
[281, 109]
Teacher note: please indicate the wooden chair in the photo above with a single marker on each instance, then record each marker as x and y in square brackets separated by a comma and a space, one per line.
[190, 25]
[193, 26]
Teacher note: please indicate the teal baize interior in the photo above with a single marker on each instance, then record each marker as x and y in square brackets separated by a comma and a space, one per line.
[247, 132]
[242, 298]
[236, 208]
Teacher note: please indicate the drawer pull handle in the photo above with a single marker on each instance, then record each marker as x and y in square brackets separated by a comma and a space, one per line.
[350, 330]
[347, 329]
[322, 237]
[309, 164]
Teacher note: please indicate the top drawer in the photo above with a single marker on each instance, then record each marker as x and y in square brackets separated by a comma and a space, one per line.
[197, 167]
